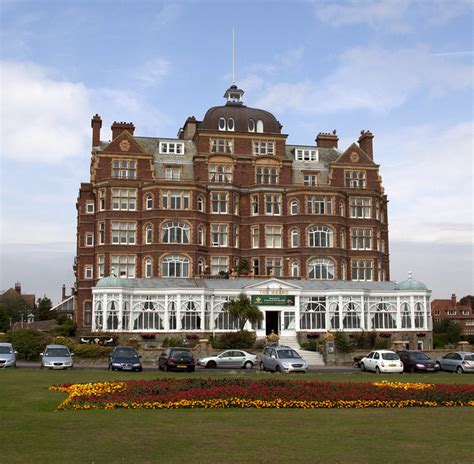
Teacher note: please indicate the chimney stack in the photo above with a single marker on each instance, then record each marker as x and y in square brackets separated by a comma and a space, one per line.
[119, 127]
[96, 124]
[327, 140]
[365, 143]
[18, 287]
[64, 292]
[453, 299]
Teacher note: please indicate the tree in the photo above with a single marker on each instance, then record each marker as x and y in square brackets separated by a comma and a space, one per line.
[43, 309]
[244, 310]
[4, 318]
[467, 300]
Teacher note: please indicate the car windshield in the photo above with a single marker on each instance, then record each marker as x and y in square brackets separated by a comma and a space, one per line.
[5, 350]
[420, 357]
[469, 357]
[285, 354]
[390, 356]
[125, 353]
[57, 352]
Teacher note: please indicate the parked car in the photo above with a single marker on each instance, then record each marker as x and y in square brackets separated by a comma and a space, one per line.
[461, 362]
[176, 359]
[229, 358]
[57, 357]
[124, 358]
[417, 361]
[382, 361]
[279, 358]
[7, 355]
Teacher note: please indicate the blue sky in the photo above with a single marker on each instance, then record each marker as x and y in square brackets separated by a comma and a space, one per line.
[403, 69]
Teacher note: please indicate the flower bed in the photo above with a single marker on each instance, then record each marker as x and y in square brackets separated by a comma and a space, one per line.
[269, 393]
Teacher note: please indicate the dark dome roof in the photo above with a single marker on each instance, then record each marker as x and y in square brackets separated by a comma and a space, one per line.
[241, 115]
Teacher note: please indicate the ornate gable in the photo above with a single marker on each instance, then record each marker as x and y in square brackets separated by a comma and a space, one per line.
[356, 156]
[126, 144]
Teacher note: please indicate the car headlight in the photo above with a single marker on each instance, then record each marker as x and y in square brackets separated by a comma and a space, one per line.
[115, 364]
[286, 365]
[420, 366]
[136, 364]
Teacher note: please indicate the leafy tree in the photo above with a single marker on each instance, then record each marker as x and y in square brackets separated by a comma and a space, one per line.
[244, 310]
[43, 309]
[4, 318]
[450, 328]
[14, 308]
[467, 300]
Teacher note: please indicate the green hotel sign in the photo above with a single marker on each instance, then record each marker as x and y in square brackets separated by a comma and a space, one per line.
[273, 300]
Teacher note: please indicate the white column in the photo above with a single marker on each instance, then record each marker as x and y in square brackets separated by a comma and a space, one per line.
[297, 312]
[120, 311]
[203, 313]
[212, 321]
[412, 312]
[399, 313]
[167, 316]
[362, 314]
[341, 325]
[178, 312]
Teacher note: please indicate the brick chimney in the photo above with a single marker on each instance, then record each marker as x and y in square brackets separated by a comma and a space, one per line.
[96, 124]
[453, 299]
[18, 288]
[119, 127]
[189, 129]
[64, 292]
[327, 140]
[365, 143]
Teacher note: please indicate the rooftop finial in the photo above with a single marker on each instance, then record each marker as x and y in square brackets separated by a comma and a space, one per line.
[410, 275]
[233, 56]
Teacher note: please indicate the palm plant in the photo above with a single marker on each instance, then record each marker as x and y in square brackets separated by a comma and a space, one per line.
[244, 310]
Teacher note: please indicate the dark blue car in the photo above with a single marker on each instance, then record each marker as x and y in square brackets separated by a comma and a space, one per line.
[124, 358]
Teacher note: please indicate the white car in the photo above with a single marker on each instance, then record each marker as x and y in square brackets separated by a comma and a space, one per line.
[7, 355]
[229, 359]
[382, 361]
[57, 357]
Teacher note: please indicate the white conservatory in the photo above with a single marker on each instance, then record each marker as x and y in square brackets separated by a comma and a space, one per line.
[289, 306]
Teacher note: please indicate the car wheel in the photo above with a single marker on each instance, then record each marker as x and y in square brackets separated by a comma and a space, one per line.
[278, 368]
[262, 367]
[362, 366]
[377, 370]
[211, 365]
[459, 370]
[248, 365]
[165, 367]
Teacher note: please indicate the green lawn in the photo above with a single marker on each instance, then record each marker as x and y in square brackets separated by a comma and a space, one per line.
[32, 431]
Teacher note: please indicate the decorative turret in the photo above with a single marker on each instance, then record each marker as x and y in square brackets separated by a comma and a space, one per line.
[234, 95]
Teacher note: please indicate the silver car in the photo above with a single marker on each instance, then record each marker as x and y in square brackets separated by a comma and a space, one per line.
[7, 355]
[461, 362]
[57, 357]
[282, 359]
[229, 359]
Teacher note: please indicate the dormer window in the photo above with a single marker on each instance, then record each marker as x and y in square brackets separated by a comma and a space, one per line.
[230, 124]
[226, 124]
[259, 125]
[222, 124]
[251, 125]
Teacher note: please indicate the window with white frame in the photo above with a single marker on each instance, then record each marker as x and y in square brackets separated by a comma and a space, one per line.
[219, 202]
[294, 238]
[405, 316]
[295, 269]
[419, 316]
[293, 207]
[172, 173]
[273, 204]
[362, 269]
[124, 169]
[321, 269]
[89, 239]
[148, 234]
[320, 236]
[306, 154]
[175, 199]
[200, 235]
[201, 266]
[148, 201]
[175, 266]
[259, 126]
[88, 272]
[355, 179]
[273, 236]
[226, 124]
[361, 239]
[263, 147]
[102, 199]
[235, 204]
[274, 267]
[101, 233]
[360, 208]
[175, 232]
[124, 233]
[100, 266]
[124, 199]
[451, 312]
[219, 235]
[219, 264]
[342, 239]
[316, 204]
[266, 175]
[255, 236]
[89, 207]
[236, 236]
[254, 205]
[251, 125]
[123, 265]
[222, 146]
[171, 148]
[220, 173]
[200, 203]
[342, 208]
[310, 180]
[148, 268]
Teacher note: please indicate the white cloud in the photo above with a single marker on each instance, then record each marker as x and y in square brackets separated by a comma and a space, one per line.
[371, 79]
[428, 175]
[154, 71]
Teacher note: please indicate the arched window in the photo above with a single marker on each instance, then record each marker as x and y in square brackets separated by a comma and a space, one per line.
[342, 209]
[343, 270]
[126, 315]
[419, 316]
[149, 201]
[321, 269]
[334, 317]
[405, 316]
[200, 235]
[267, 175]
[112, 316]
[220, 173]
[150, 315]
[148, 234]
[294, 238]
[295, 269]
[175, 266]
[230, 124]
[148, 268]
[320, 236]
[294, 207]
[384, 316]
[351, 314]
[175, 232]
[259, 125]
[222, 124]
[190, 316]
[200, 203]
[98, 317]
[251, 125]
[201, 266]
[313, 315]
[342, 239]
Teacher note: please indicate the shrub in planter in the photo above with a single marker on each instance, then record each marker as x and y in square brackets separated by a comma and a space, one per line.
[90, 351]
[310, 345]
[342, 343]
[242, 339]
[64, 341]
[173, 341]
[133, 342]
[312, 335]
[28, 343]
